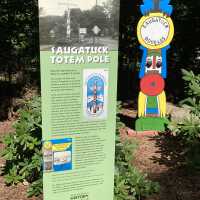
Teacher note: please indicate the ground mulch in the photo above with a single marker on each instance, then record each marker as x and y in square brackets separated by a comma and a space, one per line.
[158, 155]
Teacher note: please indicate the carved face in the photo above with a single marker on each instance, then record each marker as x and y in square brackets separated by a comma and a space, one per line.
[153, 64]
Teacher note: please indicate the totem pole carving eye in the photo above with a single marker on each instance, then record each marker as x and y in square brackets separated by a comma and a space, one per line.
[149, 62]
[159, 62]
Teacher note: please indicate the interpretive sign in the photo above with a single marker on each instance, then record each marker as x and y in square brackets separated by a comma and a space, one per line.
[79, 83]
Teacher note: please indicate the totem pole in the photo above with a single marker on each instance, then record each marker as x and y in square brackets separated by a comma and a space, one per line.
[155, 31]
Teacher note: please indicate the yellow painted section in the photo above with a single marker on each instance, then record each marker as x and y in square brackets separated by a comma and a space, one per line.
[61, 147]
[162, 104]
[142, 104]
[170, 35]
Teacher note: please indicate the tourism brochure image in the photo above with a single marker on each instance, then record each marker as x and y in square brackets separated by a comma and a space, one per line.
[57, 155]
[79, 64]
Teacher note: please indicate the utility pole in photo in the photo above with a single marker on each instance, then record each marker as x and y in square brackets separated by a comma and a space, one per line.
[96, 30]
[69, 6]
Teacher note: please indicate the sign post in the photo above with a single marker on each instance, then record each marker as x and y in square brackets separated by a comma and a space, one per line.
[82, 34]
[96, 30]
[79, 85]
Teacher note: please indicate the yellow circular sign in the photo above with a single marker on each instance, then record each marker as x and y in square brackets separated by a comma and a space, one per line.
[155, 31]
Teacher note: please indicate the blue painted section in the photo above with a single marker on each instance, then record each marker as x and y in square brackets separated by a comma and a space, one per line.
[164, 61]
[146, 7]
[143, 63]
[164, 7]
[152, 111]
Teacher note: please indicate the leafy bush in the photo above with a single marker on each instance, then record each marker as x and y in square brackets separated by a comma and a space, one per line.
[130, 184]
[193, 90]
[24, 157]
[23, 149]
[189, 129]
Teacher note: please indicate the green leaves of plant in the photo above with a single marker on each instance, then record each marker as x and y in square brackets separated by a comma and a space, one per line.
[23, 149]
[188, 131]
[24, 157]
[130, 184]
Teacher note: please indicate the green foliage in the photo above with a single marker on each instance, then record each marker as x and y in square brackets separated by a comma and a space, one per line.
[189, 129]
[36, 187]
[23, 148]
[130, 184]
[23, 157]
[193, 90]
[19, 39]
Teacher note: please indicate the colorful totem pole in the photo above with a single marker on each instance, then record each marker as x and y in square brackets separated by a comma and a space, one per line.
[155, 32]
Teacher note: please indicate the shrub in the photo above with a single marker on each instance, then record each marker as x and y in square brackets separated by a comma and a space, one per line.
[130, 184]
[193, 91]
[23, 149]
[23, 157]
[188, 130]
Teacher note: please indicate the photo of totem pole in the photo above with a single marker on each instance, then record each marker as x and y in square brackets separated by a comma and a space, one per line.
[155, 32]
[95, 92]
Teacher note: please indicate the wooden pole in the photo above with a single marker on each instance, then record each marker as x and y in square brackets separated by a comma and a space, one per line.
[156, 5]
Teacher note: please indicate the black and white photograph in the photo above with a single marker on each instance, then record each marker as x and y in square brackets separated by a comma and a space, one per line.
[79, 23]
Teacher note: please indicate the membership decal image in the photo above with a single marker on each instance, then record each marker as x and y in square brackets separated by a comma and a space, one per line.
[95, 93]
[57, 155]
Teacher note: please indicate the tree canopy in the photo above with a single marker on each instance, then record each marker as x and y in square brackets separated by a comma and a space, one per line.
[19, 41]
[184, 52]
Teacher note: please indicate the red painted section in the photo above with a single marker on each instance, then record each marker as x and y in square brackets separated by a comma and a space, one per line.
[154, 62]
[152, 84]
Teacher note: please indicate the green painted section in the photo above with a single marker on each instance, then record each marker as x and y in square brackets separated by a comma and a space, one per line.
[152, 102]
[151, 124]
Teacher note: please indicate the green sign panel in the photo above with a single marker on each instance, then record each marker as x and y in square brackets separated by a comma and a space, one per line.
[79, 83]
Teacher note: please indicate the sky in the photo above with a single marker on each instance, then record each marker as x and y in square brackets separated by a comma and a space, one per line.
[52, 7]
